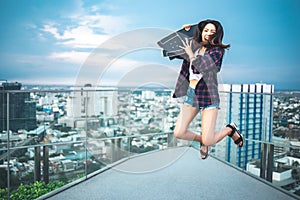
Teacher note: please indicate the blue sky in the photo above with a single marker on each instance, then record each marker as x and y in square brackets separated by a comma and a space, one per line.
[47, 42]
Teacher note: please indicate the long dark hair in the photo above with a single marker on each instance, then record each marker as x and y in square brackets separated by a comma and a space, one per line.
[216, 39]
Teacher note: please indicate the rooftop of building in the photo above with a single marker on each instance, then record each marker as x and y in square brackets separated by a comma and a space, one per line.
[173, 173]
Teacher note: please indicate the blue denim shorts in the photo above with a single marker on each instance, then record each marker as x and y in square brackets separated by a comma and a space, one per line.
[189, 100]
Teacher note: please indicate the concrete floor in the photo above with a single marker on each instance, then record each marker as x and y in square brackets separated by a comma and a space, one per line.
[176, 173]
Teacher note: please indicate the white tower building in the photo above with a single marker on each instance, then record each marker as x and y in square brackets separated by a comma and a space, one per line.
[90, 102]
[250, 107]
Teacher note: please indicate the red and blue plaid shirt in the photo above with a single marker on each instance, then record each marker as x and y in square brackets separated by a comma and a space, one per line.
[206, 91]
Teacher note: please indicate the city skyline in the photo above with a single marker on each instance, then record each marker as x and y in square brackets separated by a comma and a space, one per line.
[101, 127]
[49, 42]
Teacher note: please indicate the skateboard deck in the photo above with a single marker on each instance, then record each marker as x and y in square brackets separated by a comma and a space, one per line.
[170, 44]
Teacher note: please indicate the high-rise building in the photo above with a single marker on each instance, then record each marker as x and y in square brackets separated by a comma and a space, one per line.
[250, 107]
[22, 110]
[89, 101]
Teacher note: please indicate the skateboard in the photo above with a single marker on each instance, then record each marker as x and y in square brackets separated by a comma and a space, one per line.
[170, 44]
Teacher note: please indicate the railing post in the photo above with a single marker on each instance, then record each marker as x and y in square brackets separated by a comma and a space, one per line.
[8, 146]
[129, 145]
[267, 159]
[37, 163]
[263, 160]
[172, 142]
[115, 146]
[113, 156]
[119, 140]
[270, 163]
[46, 164]
[86, 131]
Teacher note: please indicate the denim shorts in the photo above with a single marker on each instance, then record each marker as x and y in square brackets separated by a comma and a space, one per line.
[189, 100]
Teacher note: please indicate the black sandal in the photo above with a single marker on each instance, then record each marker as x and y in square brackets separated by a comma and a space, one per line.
[203, 153]
[234, 129]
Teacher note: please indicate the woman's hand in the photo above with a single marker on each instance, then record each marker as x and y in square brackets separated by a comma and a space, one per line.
[187, 47]
[186, 27]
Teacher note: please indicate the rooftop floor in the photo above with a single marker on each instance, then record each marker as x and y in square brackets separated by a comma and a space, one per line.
[174, 173]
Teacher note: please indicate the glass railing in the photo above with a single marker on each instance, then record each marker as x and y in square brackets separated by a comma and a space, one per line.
[271, 126]
[67, 135]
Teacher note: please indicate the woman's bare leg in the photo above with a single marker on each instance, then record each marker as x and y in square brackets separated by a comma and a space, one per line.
[209, 136]
[186, 115]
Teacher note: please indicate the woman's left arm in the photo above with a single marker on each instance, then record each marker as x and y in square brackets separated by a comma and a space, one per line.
[210, 61]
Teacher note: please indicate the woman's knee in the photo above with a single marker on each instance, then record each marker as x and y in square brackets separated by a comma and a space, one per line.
[178, 134]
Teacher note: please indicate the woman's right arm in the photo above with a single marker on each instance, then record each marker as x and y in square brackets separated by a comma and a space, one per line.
[210, 61]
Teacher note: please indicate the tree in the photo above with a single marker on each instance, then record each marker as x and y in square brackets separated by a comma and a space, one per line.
[295, 164]
[296, 171]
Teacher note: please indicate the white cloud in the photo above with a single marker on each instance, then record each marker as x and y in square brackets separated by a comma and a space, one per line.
[81, 31]
[108, 23]
[83, 37]
[50, 28]
[88, 32]
[71, 57]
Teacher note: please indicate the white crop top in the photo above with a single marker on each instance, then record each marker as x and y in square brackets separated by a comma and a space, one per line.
[192, 75]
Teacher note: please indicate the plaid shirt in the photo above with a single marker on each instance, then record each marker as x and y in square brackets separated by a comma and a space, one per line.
[207, 88]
